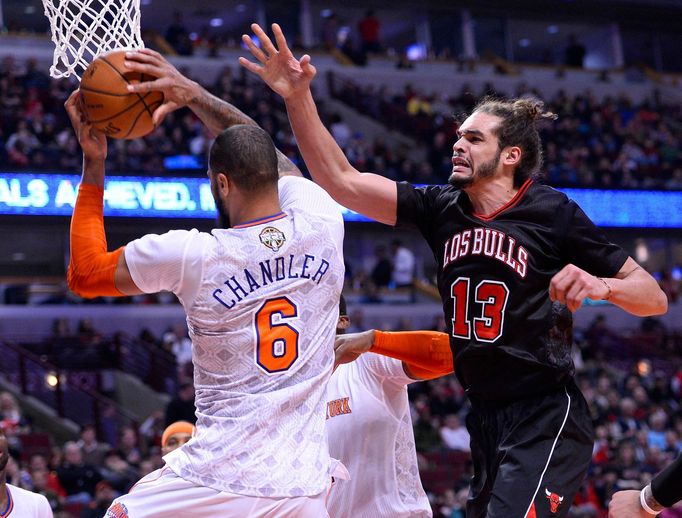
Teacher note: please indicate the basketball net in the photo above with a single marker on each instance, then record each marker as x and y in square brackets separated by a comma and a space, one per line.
[84, 29]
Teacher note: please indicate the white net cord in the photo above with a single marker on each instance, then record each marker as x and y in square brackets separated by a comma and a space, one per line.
[84, 29]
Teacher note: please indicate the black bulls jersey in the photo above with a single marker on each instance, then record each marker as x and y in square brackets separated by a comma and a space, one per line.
[508, 340]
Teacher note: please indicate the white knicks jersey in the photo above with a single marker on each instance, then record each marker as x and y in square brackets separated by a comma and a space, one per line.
[370, 431]
[24, 504]
[262, 305]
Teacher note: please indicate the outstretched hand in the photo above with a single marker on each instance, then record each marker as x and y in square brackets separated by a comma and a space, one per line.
[348, 348]
[282, 72]
[92, 142]
[178, 90]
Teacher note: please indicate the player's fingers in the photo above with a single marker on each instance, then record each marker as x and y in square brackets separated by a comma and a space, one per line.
[257, 53]
[559, 283]
[143, 68]
[575, 296]
[576, 300]
[161, 112]
[147, 86]
[561, 288]
[72, 107]
[308, 69]
[265, 41]
[279, 38]
[141, 57]
[149, 52]
[251, 67]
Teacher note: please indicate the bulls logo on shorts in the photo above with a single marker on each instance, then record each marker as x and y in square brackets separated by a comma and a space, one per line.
[554, 500]
[273, 238]
[117, 510]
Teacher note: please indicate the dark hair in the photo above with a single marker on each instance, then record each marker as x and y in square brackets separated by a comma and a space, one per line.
[518, 129]
[343, 310]
[246, 155]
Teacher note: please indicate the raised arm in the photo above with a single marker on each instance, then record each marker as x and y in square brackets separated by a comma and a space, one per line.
[369, 194]
[180, 91]
[93, 270]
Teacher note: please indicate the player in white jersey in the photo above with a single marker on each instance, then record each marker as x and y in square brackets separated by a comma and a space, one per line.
[14, 501]
[261, 303]
[369, 426]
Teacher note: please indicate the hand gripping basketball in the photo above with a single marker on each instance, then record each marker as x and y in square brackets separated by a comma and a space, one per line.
[178, 91]
[92, 142]
[107, 103]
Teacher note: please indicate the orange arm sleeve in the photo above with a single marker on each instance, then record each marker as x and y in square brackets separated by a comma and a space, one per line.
[91, 268]
[427, 354]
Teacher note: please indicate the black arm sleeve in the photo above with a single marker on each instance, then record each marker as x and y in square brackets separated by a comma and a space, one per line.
[667, 485]
[587, 247]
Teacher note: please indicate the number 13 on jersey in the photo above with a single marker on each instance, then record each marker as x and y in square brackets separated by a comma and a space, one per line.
[276, 341]
[491, 297]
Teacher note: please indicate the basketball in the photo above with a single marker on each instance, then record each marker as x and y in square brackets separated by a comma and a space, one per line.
[109, 106]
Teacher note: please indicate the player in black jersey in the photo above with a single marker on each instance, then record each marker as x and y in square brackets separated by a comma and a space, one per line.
[513, 258]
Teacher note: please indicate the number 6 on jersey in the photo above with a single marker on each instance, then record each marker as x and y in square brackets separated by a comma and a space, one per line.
[276, 343]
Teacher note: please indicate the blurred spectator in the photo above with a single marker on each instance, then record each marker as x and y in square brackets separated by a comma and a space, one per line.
[128, 446]
[77, 478]
[403, 265]
[119, 473]
[178, 36]
[104, 495]
[93, 452]
[176, 341]
[382, 269]
[329, 32]
[12, 420]
[340, 130]
[656, 436]
[181, 407]
[369, 28]
[575, 52]
[454, 435]
[40, 479]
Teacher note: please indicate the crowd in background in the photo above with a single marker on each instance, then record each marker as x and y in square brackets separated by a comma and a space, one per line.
[636, 409]
[610, 143]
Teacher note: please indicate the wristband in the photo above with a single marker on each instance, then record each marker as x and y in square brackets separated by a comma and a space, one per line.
[643, 503]
[608, 287]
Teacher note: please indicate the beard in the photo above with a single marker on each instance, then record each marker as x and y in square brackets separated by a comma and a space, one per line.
[223, 216]
[483, 171]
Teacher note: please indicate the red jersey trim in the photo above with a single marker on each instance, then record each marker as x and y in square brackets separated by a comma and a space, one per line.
[517, 198]
[260, 221]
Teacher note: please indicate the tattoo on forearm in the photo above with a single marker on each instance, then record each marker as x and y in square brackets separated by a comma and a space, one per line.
[217, 114]
[286, 167]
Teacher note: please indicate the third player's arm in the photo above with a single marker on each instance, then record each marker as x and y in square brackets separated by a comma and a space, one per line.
[424, 354]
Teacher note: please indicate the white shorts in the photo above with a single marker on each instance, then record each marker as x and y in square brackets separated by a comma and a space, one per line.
[163, 494]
